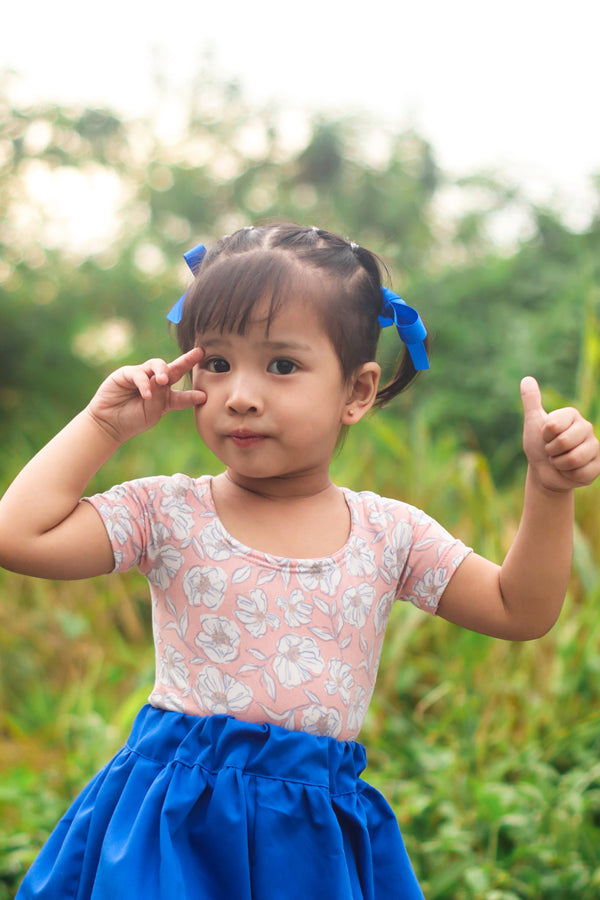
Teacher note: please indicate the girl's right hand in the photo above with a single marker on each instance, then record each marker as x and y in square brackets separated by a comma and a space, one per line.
[134, 398]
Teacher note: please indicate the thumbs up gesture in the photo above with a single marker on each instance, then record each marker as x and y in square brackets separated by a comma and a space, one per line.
[561, 447]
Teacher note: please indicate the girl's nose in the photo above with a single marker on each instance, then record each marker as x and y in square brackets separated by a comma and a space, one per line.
[244, 397]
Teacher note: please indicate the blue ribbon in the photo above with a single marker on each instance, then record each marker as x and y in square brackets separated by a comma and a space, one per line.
[409, 324]
[194, 259]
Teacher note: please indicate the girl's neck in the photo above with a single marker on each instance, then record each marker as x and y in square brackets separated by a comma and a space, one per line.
[302, 520]
[281, 489]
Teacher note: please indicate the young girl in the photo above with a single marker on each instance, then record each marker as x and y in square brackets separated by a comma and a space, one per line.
[271, 587]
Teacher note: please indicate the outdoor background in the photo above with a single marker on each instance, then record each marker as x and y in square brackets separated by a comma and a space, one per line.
[488, 751]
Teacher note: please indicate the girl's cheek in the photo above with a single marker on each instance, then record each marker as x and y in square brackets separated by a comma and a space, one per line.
[199, 380]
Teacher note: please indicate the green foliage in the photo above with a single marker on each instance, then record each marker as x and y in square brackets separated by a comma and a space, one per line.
[522, 315]
[488, 751]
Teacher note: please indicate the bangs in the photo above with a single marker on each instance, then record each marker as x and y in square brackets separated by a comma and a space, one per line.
[226, 296]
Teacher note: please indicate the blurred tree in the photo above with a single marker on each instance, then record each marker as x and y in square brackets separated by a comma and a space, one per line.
[500, 318]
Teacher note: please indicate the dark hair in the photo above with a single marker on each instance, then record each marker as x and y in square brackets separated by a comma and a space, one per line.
[340, 279]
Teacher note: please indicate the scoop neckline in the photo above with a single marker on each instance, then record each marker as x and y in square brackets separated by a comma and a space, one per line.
[271, 558]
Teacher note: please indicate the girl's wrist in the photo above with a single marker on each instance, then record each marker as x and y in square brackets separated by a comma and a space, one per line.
[103, 429]
[548, 493]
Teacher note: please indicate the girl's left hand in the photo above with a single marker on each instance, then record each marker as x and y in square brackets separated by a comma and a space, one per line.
[561, 447]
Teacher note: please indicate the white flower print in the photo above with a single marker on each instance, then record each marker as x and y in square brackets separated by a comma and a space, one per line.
[357, 709]
[214, 542]
[166, 559]
[220, 638]
[173, 504]
[322, 721]
[379, 514]
[221, 693]
[117, 522]
[396, 551]
[383, 610]
[359, 558]
[279, 567]
[172, 669]
[118, 492]
[323, 575]
[205, 586]
[341, 680]
[429, 588]
[357, 602]
[169, 701]
[296, 611]
[174, 491]
[401, 537]
[298, 660]
[183, 522]
[252, 613]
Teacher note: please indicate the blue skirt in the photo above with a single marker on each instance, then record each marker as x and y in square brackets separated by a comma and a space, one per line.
[213, 808]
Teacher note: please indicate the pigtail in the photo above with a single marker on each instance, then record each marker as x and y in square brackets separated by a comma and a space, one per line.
[403, 378]
[405, 373]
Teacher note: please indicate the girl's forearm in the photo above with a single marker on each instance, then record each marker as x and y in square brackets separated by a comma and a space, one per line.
[535, 574]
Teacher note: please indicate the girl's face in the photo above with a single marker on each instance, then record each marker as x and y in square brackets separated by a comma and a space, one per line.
[276, 399]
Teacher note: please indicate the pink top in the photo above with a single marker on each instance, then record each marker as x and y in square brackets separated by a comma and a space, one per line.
[295, 642]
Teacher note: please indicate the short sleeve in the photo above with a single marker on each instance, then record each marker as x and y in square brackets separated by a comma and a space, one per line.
[429, 562]
[126, 511]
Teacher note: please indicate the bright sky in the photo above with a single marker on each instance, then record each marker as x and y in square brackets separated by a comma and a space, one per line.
[511, 85]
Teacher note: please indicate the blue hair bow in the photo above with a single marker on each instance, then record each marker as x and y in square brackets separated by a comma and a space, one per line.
[194, 259]
[409, 324]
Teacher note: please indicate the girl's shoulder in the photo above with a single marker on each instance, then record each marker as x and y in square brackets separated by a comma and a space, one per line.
[158, 490]
[372, 507]
[399, 525]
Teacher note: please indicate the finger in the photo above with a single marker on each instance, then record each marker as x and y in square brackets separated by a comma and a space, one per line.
[184, 363]
[531, 399]
[588, 473]
[579, 456]
[187, 399]
[149, 373]
[564, 430]
[582, 475]
[141, 380]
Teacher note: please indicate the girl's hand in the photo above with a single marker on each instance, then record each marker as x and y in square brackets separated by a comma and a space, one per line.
[561, 447]
[134, 398]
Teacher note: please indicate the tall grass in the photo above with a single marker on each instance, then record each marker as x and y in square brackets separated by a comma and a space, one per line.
[489, 751]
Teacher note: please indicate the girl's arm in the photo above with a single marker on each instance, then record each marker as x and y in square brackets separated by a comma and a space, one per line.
[522, 599]
[45, 528]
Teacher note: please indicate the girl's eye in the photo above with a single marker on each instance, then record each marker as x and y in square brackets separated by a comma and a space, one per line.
[282, 367]
[217, 364]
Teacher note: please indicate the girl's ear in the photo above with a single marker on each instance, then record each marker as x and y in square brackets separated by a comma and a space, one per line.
[361, 392]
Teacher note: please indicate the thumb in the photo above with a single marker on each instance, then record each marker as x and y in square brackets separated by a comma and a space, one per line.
[531, 398]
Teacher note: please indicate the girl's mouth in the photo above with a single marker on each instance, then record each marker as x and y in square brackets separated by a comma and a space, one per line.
[246, 438]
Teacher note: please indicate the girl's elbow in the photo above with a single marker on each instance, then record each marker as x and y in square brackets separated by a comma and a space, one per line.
[533, 631]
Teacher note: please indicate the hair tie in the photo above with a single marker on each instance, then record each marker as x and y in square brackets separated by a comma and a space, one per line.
[409, 324]
[194, 259]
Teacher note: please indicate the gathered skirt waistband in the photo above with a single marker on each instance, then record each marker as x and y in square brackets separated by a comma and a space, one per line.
[266, 750]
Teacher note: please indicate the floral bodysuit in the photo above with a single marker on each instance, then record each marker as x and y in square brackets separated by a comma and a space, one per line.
[294, 642]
